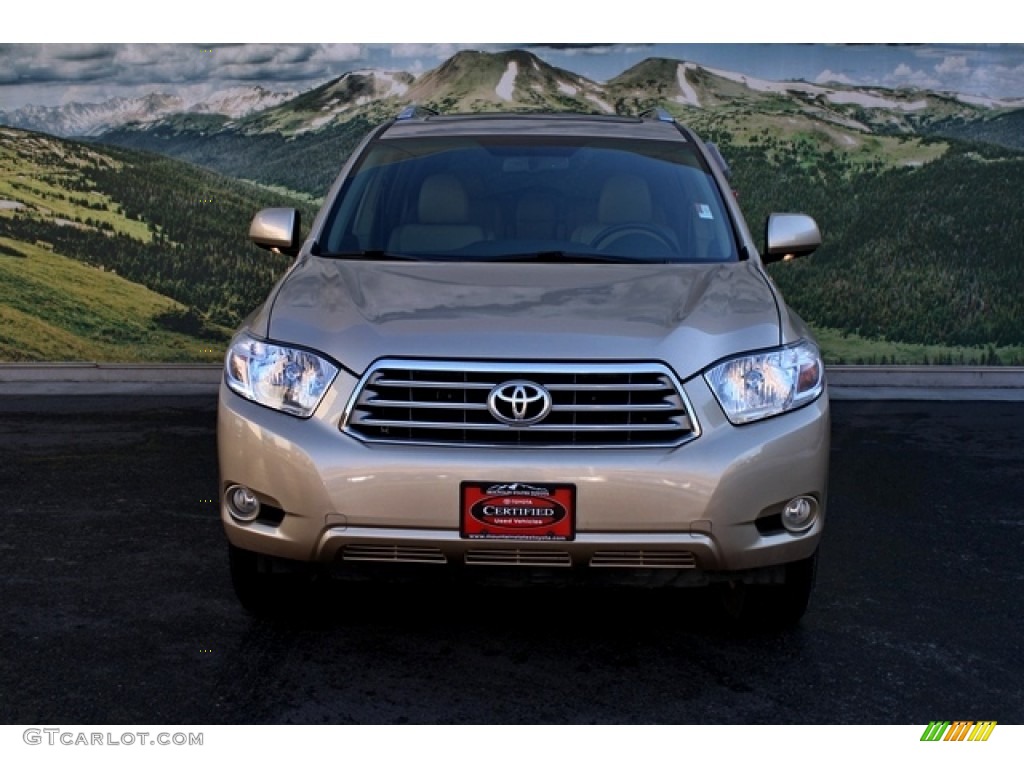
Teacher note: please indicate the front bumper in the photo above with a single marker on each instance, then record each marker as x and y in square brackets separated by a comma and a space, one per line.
[695, 506]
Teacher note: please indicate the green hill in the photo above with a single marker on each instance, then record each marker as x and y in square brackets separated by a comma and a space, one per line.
[922, 255]
[307, 163]
[109, 254]
[1005, 129]
[55, 308]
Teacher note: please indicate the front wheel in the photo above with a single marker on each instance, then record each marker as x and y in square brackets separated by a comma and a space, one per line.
[267, 586]
[775, 606]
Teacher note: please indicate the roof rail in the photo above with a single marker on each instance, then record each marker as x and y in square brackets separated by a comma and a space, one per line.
[416, 110]
[659, 113]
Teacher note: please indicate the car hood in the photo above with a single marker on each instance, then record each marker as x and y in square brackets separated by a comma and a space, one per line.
[683, 314]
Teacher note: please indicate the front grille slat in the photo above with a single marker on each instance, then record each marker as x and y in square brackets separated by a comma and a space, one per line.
[607, 387]
[534, 557]
[407, 384]
[392, 553]
[643, 559]
[639, 408]
[427, 425]
[379, 403]
[591, 405]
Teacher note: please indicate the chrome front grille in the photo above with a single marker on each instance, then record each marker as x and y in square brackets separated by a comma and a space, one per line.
[598, 406]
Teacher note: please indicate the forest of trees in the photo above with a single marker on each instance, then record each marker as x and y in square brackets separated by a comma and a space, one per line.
[927, 255]
[306, 163]
[199, 254]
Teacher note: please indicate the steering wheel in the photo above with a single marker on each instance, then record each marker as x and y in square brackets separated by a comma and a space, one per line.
[615, 232]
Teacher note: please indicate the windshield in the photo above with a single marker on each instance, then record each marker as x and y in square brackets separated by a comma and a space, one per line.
[545, 198]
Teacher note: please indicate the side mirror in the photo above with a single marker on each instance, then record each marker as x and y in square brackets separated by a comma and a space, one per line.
[276, 229]
[788, 235]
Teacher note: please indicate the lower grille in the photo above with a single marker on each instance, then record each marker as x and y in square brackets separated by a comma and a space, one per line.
[643, 559]
[552, 558]
[518, 557]
[369, 553]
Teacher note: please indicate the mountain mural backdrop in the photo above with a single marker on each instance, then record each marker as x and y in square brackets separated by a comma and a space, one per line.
[918, 194]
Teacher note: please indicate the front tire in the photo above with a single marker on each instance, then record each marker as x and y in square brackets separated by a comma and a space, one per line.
[770, 607]
[267, 586]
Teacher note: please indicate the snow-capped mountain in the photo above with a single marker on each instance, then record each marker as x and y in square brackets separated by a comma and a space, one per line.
[470, 81]
[79, 119]
[687, 86]
[513, 80]
[332, 102]
[241, 101]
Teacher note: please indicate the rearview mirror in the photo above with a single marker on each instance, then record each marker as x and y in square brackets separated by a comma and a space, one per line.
[276, 229]
[788, 235]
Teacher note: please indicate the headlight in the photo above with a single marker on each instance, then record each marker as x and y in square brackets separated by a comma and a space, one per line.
[768, 383]
[282, 378]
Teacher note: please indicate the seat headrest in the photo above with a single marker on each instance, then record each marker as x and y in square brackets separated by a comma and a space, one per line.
[443, 200]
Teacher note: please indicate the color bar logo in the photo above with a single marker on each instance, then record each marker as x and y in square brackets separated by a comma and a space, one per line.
[960, 730]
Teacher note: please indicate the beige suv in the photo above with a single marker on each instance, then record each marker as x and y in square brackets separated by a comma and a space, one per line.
[536, 341]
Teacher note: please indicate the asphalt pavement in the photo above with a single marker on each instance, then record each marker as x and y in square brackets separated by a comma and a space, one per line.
[117, 607]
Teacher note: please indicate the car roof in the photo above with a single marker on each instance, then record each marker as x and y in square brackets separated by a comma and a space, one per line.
[417, 124]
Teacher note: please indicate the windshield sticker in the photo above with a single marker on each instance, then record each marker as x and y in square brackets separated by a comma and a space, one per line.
[704, 211]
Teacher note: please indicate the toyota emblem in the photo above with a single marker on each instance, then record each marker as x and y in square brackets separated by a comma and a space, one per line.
[519, 403]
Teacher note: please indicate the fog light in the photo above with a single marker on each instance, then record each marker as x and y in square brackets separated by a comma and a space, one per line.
[242, 503]
[799, 514]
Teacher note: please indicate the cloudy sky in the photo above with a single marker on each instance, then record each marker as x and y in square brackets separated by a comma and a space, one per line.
[41, 72]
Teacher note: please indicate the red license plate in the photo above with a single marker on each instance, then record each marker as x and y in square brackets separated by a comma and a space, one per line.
[531, 511]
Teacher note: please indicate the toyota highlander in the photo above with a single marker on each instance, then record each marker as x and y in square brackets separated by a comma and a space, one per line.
[540, 341]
